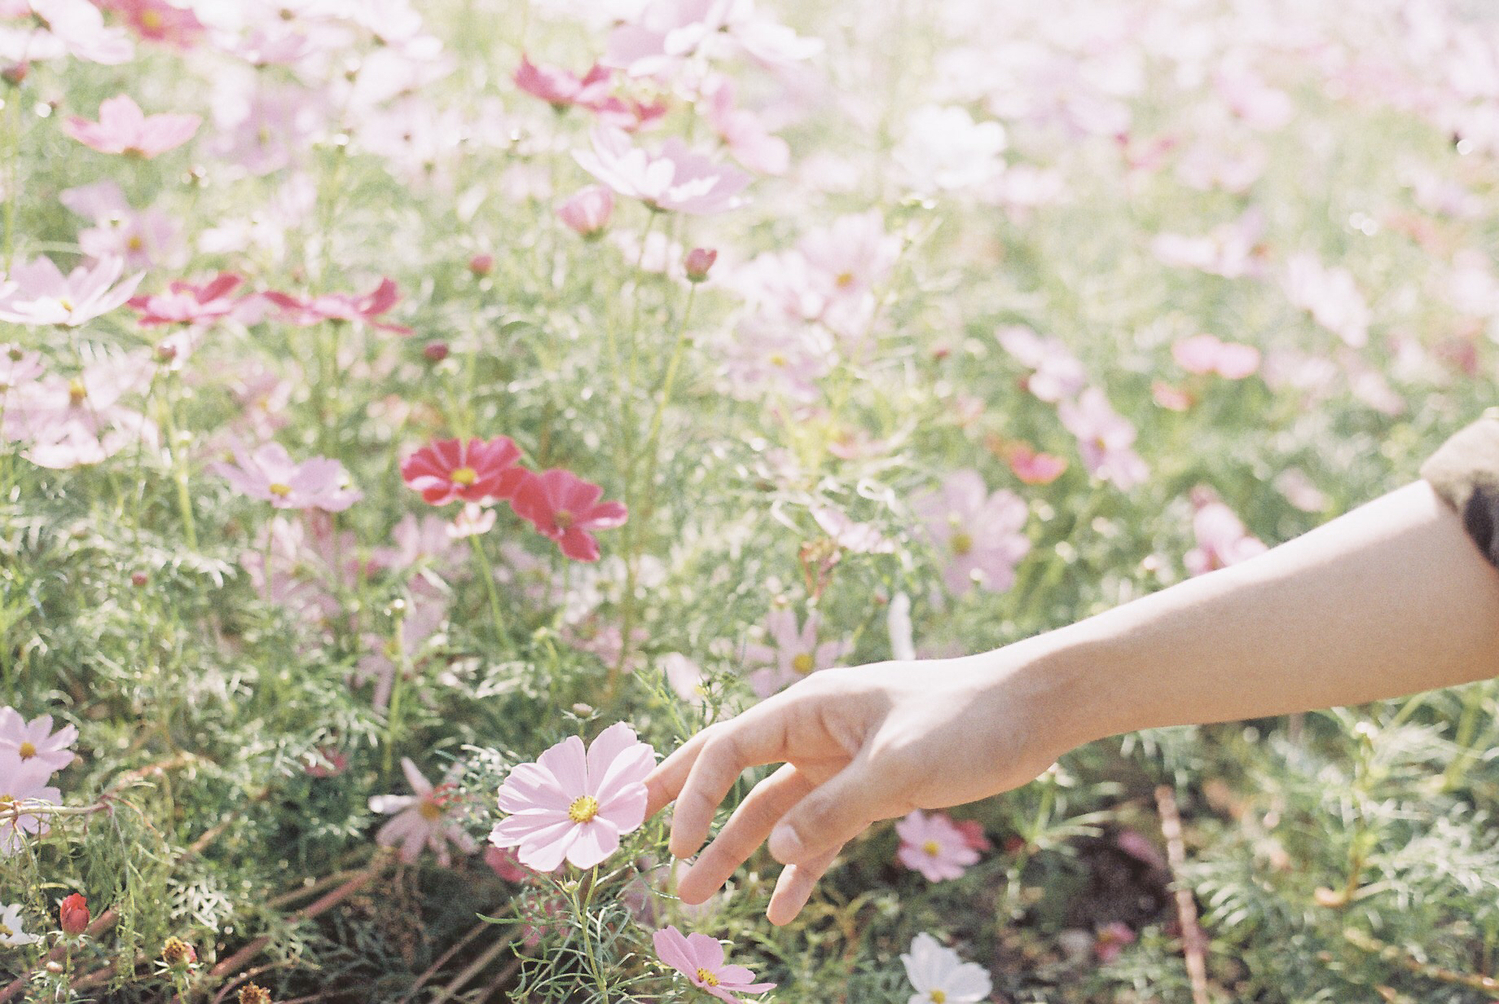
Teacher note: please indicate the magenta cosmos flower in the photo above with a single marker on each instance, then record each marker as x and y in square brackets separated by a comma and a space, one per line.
[700, 959]
[474, 471]
[794, 655]
[342, 307]
[561, 88]
[574, 806]
[980, 536]
[676, 179]
[935, 846]
[429, 818]
[159, 21]
[186, 303]
[565, 508]
[124, 128]
[35, 742]
[41, 294]
[269, 474]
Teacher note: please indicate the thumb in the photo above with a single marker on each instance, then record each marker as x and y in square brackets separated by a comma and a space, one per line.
[833, 813]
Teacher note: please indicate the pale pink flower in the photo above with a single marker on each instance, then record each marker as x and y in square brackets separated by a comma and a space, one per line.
[574, 806]
[676, 179]
[1105, 439]
[73, 421]
[587, 211]
[18, 367]
[301, 579]
[743, 132]
[1231, 250]
[685, 677]
[1259, 105]
[701, 959]
[1222, 539]
[124, 128]
[1331, 296]
[35, 742]
[932, 845]
[72, 28]
[43, 295]
[665, 34]
[143, 238]
[1057, 373]
[1033, 467]
[342, 307]
[945, 149]
[159, 21]
[1202, 354]
[980, 536]
[432, 817]
[269, 474]
[940, 976]
[1301, 491]
[795, 653]
[768, 356]
[1210, 165]
[22, 781]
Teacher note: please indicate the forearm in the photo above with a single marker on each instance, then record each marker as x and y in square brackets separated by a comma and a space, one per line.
[1390, 599]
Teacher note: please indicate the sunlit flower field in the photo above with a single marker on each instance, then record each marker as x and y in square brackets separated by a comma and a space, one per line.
[416, 419]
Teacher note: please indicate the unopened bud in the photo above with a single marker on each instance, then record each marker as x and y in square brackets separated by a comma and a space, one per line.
[699, 261]
[481, 264]
[16, 73]
[435, 352]
[139, 579]
[166, 352]
[73, 915]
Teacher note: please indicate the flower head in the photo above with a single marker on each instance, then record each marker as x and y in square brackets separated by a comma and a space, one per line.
[574, 805]
[429, 818]
[124, 128]
[587, 211]
[794, 655]
[1206, 354]
[22, 781]
[271, 475]
[35, 741]
[12, 934]
[1105, 439]
[187, 303]
[941, 977]
[701, 959]
[1222, 539]
[451, 469]
[73, 914]
[934, 845]
[561, 88]
[305, 312]
[675, 179]
[565, 508]
[159, 21]
[981, 536]
[40, 294]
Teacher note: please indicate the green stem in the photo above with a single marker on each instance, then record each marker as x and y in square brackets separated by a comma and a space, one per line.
[581, 904]
[486, 572]
[397, 686]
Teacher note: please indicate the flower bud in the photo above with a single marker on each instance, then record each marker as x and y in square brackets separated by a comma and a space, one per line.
[16, 73]
[139, 579]
[73, 915]
[588, 211]
[178, 954]
[435, 352]
[481, 265]
[699, 261]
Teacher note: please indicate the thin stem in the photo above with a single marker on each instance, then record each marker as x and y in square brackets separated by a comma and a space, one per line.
[486, 572]
[397, 688]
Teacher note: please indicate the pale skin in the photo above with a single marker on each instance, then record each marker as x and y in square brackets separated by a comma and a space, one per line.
[1390, 599]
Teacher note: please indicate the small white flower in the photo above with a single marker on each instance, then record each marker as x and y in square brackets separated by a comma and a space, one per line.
[940, 977]
[11, 934]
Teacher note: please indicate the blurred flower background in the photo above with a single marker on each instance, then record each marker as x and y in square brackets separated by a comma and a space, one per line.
[396, 397]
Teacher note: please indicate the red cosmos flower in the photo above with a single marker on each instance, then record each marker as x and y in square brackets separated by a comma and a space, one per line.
[341, 307]
[451, 469]
[73, 915]
[185, 303]
[564, 507]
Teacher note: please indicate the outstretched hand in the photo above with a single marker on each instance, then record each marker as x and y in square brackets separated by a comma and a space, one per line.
[857, 745]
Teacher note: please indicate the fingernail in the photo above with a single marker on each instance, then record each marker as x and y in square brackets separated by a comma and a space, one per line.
[784, 844]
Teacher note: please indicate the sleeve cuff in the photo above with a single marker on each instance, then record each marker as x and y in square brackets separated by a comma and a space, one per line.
[1465, 472]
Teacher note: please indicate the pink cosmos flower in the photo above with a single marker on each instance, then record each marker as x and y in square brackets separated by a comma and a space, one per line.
[143, 238]
[1058, 374]
[1206, 354]
[1231, 250]
[1222, 539]
[159, 21]
[701, 959]
[1331, 296]
[35, 742]
[271, 475]
[566, 508]
[1034, 468]
[742, 131]
[42, 295]
[451, 469]
[506, 865]
[934, 846]
[980, 535]
[341, 307]
[18, 367]
[587, 211]
[186, 303]
[675, 179]
[574, 806]
[561, 88]
[794, 655]
[430, 818]
[384, 656]
[1111, 941]
[124, 128]
[79, 420]
[72, 28]
[22, 781]
[1104, 439]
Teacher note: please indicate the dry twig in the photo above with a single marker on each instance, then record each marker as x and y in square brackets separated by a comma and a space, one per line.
[1193, 938]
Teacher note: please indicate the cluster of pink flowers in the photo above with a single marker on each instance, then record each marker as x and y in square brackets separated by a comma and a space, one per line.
[559, 504]
[30, 753]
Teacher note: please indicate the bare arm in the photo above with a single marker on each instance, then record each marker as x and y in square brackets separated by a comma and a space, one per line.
[1390, 599]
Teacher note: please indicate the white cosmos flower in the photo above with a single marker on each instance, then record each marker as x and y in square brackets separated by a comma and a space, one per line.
[940, 977]
[11, 934]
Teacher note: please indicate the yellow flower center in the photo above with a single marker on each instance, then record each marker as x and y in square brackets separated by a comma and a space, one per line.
[845, 280]
[278, 489]
[28, 750]
[77, 391]
[464, 476]
[931, 848]
[563, 519]
[938, 996]
[66, 304]
[135, 243]
[706, 978]
[430, 810]
[961, 543]
[151, 20]
[584, 808]
[803, 663]
[6, 932]
[778, 359]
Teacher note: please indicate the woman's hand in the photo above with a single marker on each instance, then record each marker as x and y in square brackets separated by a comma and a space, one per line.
[859, 745]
